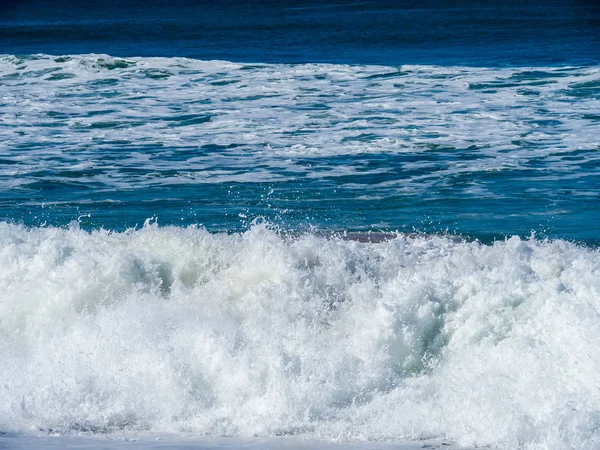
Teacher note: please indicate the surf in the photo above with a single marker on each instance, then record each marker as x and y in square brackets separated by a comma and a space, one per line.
[176, 329]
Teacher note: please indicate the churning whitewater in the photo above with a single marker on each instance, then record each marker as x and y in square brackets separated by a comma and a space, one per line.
[177, 329]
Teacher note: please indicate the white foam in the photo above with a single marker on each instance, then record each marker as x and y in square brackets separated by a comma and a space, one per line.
[182, 442]
[179, 330]
[92, 107]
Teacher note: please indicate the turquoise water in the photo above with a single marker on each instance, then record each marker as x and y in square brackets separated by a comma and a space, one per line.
[198, 212]
[483, 152]
[479, 119]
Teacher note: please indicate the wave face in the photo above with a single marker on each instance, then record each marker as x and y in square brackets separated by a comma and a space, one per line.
[176, 329]
[473, 150]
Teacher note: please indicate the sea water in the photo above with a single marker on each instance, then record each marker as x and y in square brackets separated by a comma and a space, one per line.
[299, 224]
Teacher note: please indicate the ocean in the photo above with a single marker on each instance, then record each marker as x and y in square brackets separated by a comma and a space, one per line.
[300, 224]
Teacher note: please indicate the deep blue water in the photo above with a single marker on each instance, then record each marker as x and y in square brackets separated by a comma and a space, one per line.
[478, 118]
[138, 137]
[494, 32]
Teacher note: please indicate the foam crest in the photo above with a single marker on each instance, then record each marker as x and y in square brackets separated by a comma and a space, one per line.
[177, 329]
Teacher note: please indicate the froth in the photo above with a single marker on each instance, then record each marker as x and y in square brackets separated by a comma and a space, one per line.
[197, 122]
[171, 329]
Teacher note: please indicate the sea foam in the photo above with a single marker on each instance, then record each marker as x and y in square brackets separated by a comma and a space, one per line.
[171, 329]
[203, 122]
[482, 151]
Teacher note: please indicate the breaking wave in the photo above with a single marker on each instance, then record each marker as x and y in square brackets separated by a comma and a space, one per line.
[178, 329]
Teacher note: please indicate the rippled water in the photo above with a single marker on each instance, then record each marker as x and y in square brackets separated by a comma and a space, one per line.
[216, 222]
[478, 151]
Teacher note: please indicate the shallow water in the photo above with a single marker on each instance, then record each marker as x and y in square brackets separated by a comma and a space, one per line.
[181, 442]
[170, 329]
[484, 152]
[345, 225]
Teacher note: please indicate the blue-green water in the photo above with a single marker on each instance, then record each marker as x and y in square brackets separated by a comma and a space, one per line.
[185, 191]
[478, 119]
[483, 152]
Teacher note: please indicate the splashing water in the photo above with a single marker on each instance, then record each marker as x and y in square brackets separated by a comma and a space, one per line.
[177, 329]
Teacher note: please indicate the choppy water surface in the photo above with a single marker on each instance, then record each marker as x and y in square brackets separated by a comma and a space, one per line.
[478, 151]
[216, 222]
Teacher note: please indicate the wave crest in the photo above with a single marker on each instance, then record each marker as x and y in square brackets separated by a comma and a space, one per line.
[171, 328]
